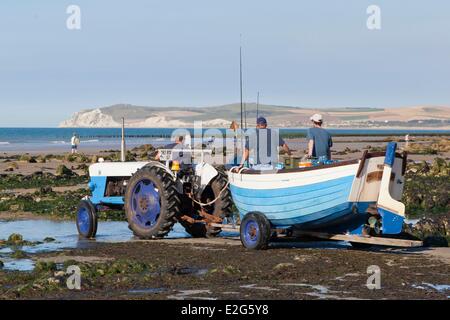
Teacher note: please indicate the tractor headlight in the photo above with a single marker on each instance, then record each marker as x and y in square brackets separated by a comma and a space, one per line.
[92, 186]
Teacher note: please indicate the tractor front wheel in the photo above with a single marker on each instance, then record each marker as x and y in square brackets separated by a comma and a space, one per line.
[86, 219]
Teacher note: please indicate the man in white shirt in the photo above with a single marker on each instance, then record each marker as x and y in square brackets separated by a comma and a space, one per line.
[75, 142]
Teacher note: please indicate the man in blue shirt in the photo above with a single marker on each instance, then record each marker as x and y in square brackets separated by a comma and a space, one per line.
[319, 139]
[262, 142]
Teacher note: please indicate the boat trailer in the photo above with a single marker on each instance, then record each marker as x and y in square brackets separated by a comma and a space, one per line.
[370, 240]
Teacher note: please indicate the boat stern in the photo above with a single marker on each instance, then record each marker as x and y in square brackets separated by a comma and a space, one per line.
[391, 210]
[378, 189]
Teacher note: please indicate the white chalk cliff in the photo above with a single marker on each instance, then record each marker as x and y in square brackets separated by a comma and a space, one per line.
[94, 118]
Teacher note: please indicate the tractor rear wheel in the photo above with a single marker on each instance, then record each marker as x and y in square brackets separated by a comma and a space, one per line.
[151, 203]
[221, 208]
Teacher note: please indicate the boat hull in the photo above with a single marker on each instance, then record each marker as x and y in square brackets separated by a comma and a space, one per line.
[296, 205]
[333, 198]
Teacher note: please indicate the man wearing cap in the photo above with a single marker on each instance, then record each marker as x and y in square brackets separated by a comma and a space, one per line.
[263, 145]
[319, 139]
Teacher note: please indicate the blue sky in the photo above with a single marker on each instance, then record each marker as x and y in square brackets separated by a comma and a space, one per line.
[186, 53]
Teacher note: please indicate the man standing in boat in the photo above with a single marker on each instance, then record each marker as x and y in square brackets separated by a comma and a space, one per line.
[263, 142]
[319, 140]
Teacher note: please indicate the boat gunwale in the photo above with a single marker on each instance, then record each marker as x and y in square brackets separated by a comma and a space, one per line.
[340, 164]
[326, 166]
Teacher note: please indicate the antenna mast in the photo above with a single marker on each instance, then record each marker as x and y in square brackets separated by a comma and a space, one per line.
[123, 147]
[245, 116]
[240, 79]
[257, 106]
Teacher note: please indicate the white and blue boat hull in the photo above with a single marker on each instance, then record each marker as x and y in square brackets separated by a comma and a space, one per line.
[334, 198]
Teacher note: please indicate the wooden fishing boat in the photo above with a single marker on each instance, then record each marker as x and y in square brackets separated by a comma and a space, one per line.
[357, 197]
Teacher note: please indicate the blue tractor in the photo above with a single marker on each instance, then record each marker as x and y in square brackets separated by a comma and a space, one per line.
[157, 194]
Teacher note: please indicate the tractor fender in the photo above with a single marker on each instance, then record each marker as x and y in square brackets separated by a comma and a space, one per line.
[178, 183]
[206, 173]
[162, 166]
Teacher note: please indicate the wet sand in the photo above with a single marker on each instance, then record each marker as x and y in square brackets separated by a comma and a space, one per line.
[222, 269]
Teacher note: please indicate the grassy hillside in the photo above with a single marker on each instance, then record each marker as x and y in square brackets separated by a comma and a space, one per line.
[229, 111]
[278, 115]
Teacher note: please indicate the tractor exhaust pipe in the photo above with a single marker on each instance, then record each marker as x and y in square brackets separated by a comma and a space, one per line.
[123, 146]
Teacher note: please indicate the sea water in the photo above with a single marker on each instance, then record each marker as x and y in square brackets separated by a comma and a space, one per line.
[58, 139]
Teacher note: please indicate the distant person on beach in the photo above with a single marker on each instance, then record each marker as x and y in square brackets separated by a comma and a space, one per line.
[75, 142]
[407, 139]
[319, 139]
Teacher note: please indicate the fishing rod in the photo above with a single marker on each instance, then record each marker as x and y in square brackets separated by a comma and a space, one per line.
[242, 100]
[240, 79]
[245, 116]
[257, 106]
[123, 149]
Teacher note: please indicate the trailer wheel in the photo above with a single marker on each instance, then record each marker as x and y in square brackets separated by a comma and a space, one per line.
[255, 231]
[86, 219]
[151, 203]
[221, 208]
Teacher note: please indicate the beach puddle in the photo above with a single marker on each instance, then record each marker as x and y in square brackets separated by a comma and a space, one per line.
[65, 236]
[192, 295]
[17, 264]
[346, 276]
[321, 292]
[441, 288]
[190, 271]
[255, 287]
[147, 291]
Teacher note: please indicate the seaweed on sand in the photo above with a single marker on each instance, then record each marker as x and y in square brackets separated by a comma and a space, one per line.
[38, 179]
